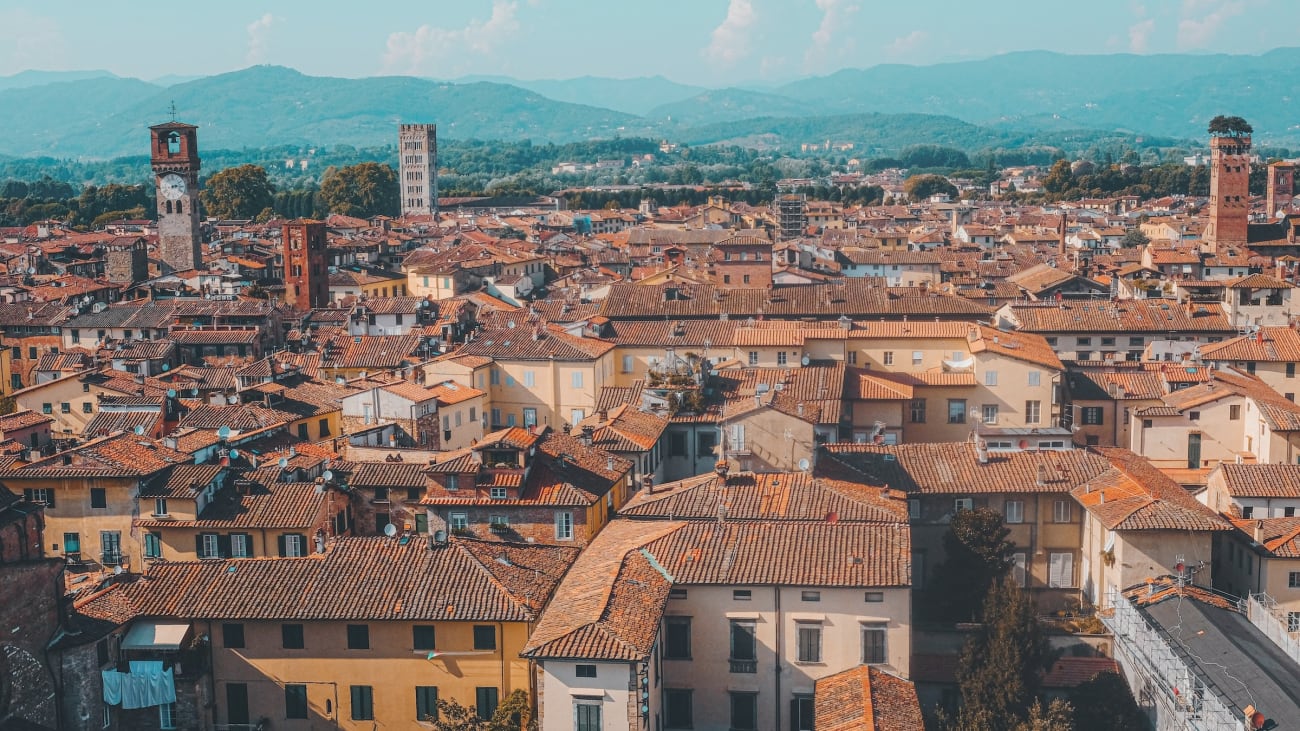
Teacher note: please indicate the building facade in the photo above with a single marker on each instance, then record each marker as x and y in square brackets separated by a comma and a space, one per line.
[418, 148]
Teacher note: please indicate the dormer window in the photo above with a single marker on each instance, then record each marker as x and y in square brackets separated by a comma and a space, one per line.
[498, 493]
[452, 482]
[160, 506]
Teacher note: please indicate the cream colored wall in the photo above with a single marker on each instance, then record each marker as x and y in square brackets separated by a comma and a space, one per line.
[560, 683]
[56, 393]
[871, 352]
[552, 393]
[841, 613]
[936, 427]
[72, 514]
[774, 441]
[469, 430]
[439, 286]
[1222, 438]
[1140, 555]
[1013, 390]
[392, 667]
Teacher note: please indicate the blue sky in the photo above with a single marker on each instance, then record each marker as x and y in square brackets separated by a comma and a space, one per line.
[711, 42]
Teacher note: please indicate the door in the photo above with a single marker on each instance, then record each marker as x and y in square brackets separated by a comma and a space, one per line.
[236, 703]
[1193, 450]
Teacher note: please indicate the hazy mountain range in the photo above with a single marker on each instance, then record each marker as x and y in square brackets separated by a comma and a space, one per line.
[1013, 99]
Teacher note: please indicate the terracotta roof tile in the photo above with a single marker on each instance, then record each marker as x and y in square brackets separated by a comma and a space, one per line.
[866, 698]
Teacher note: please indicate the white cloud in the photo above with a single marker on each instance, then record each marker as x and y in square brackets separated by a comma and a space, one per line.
[1195, 29]
[259, 37]
[904, 45]
[835, 14]
[730, 40]
[1139, 35]
[30, 41]
[426, 50]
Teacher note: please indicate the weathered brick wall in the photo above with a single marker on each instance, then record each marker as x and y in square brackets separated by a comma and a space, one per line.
[82, 690]
[20, 540]
[26, 685]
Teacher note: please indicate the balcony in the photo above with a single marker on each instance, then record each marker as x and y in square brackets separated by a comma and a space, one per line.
[744, 666]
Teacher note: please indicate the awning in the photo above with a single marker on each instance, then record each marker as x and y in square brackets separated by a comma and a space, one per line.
[147, 635]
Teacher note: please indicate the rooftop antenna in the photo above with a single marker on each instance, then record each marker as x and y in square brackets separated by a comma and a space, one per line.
[172, 110]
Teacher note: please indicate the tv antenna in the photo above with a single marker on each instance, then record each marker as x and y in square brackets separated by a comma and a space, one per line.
[172, 110]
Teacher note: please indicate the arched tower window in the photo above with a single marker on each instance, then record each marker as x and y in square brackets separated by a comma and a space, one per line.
[173, 143]
[178, 207]
[169, 206]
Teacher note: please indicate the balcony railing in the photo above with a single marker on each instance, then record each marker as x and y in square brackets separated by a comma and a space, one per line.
[744, 666]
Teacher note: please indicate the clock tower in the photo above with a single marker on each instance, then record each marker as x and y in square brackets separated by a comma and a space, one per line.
[174, 156]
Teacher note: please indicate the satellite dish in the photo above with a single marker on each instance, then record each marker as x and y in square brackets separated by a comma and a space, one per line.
[86, 300]
[139, 430]
[803, 465]
[171, 393]
[117, 570]
[327, 475]
[166, 367]
[390, 530]
[234, 454]
[31, 270]
[284, 463]
[223, 432]
[806, 360]
[440, 536]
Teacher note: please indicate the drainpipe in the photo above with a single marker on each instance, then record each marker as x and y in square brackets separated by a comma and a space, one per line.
[780, 631]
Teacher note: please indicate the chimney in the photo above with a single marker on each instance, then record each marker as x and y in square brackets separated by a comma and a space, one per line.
[832, 517]
[1259, 531]
[721, 468]
[1042, 475]
[609, 464]
[586, 435]
[982, 452]
[647, 484]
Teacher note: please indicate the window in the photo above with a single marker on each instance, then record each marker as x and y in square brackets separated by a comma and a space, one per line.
[291, 636]
[485, 637]
[677, 708]
[232, 635]
[1085, 341]
[918, 411]
[498, 523]
[40, 495]
[677, 638]
[358, 637]
[458, 521]
[1248, 512]
[152, 545]
[811, 596]
[1015, 511]
[810, 642]
[323, 427]
[1033, 411]
[1293, 621]
[72, 543]
[426, 703]
[781, 358]
[295, 700]
[577, 379]
[160, 506]
[586, 714]
[1018, 569]
[563, 525]
[241, 545]
[497, 493]
[627, 364]
[956, 411]
[917, 357]
[963, 503]
[889, 357]
[873, 643]
[363, 703]
[1194, 415]
[1234, 412]
[47, 408]
[293, 545]
[874, 597]
[744, 711]
[990, 378]
[1290, 370]
[741, 595]
[422, 637]
[989, 413]
[1060, 570]
[110, 547]
[87, 407]
[530, 379]
[753, 357]
[802, 713]
[65, 407]
[743, 646]
[237, 703]
[98, 498]
[1035, 378]
[677, 593]
[1293, 580]
[485, 699]
[166, 716]
[1061, 511]
[585, 671]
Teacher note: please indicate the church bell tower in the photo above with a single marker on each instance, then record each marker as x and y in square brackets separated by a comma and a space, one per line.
[174, 156]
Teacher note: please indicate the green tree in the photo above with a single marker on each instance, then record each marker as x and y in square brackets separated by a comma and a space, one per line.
[1134, 238]
[1059, 178]
[921, 187]
[1001, 666]
[978, 555]
[1056, 716]
[1222, 126]
[363, 190]
[1105, 703]
[513, 714]
[237, 193]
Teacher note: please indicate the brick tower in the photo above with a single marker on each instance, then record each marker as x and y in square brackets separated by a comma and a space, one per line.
[417, 151]
[1229, 190]
[1281, 187]
[306, 275]
[174, 156]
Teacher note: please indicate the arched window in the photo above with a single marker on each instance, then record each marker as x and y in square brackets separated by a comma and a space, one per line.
[173, 143]
[169, 206]
[178, 207]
